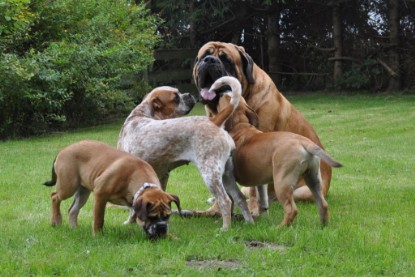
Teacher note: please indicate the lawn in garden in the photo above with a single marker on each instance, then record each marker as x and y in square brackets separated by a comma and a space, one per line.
[371, 204]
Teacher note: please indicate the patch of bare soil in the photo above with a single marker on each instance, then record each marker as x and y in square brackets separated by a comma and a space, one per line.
[213, 264]
[269, 245]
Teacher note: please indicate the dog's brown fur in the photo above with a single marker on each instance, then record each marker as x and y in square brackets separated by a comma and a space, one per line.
[275, 112]
[281, 158]
[113, 176]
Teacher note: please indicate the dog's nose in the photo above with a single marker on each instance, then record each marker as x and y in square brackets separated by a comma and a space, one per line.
[210, 59]
[161, 227]
[189, 99]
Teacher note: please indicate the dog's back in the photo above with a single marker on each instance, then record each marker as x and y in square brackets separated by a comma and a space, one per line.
[162, 142]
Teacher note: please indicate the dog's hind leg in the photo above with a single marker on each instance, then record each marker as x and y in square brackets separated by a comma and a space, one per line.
[283, 186]
[81, 196]
[237, 196]
[313, 180]
[213, 180]
[63, 191]
[56, 217]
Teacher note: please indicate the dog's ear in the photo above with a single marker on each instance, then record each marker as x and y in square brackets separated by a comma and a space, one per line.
[141, 209]
[176, 200]
[195, 80]
[252, 116]
[247, 63]
[157, 104]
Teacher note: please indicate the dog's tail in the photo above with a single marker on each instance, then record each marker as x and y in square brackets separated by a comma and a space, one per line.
[230, 91]
[316, 150]
[220, 119]
[54, 177]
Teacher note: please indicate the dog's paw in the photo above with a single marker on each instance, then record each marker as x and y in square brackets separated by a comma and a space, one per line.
[255, 212]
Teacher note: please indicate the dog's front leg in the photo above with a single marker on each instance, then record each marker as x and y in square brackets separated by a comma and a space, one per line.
[100, 201]
[131, 217]
[263, 198]
[164, 178]
[253, 201]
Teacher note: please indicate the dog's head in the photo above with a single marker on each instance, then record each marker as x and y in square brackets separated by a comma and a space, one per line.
[167, 102]
[152, 210]
[218, 59]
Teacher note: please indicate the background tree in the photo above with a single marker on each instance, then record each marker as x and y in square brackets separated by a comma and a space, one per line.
[61, 61]
[394, 60]
[304, 45]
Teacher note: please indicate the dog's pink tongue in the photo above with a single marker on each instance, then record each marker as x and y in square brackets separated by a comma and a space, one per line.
[207, 94]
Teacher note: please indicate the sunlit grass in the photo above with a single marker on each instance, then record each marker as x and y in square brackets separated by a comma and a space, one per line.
[371, 204]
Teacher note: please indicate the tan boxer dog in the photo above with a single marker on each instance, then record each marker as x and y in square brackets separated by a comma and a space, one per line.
[275, 112]
[113, 176]
[281, 158]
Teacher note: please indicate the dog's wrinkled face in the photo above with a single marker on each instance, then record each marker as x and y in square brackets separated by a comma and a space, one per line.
[218, 59]
[153, 210]
[168, 102]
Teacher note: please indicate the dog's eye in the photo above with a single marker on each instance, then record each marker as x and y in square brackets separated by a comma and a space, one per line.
[228, 63]
[224, 58]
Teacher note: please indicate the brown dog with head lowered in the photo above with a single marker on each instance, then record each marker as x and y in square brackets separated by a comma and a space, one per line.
[281, 158]
[275, 112]
[113, 176]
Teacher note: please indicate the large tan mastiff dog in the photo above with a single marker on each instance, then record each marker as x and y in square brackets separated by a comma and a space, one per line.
[275, 112]
[113, 176]
[281, 158]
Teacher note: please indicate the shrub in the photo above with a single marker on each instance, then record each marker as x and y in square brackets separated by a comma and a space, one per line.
[62, 61]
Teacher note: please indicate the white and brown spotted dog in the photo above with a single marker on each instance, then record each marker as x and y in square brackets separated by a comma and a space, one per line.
[281, 158]
[153, 133]
[113, 176]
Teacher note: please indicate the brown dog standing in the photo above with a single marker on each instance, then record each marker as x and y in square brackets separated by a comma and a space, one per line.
[281, 158]
[113, 176]
[275, 112]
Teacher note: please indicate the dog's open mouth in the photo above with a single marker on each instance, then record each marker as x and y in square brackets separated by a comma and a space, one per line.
[207, 75]
[207, 95]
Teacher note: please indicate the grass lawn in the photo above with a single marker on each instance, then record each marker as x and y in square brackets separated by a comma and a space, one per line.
[371, 201]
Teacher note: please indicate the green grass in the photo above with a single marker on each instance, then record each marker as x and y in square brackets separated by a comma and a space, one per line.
[371, 202]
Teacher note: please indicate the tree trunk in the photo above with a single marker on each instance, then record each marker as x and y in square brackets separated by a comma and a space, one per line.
[394, 63]
[338, 43]
[192, 27]
[273, 48]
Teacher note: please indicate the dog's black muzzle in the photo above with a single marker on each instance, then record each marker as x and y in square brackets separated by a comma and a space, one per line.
[189, 100]
[157, 229]
[209, 69]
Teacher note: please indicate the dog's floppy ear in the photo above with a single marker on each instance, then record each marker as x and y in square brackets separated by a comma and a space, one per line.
[140, 209]
[157, 104]
[195, 80]
[247, 63]
[252, 116]
[176, 200]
